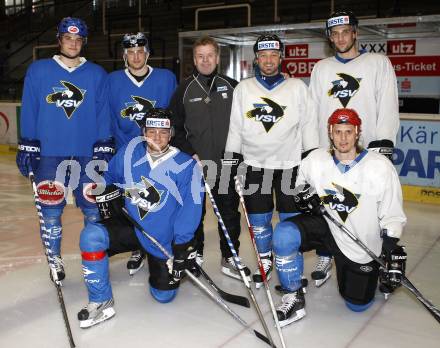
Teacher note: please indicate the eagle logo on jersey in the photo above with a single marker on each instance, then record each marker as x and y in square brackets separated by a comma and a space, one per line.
[145, 196]
[268, 113]
[137, 109]
[342, 201]
[344, 88]
[68, 97]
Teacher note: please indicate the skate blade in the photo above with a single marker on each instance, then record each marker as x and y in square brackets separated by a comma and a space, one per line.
[319, 282]
[229, 273]
[133, 271]
[298, 315]
[105, 315]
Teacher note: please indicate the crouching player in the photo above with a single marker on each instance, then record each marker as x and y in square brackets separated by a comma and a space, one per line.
[162, 191]
[360, 189]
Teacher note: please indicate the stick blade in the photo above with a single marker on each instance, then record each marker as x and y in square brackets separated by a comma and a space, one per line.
[263, 338]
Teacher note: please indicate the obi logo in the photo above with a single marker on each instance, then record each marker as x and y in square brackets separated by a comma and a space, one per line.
[267, 113]
[69, 97]
[50, 192]
[341, 200]
[135, 110]
[345, 88]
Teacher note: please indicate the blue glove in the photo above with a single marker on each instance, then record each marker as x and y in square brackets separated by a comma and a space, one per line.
[28, 155]
[104, 150]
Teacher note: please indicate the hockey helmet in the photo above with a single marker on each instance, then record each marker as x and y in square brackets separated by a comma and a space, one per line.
[159, 118]
[268, 42]
[135, 40]
[340, 18]
[344, 116]
[72, 25]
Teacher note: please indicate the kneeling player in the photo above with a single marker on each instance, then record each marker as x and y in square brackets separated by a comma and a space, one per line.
[360, 189]
[163, 193]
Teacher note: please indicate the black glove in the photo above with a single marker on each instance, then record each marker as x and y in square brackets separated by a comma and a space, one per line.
[307, 200]
[232, 160]
[110, 202]
[184, 258]
[28, 155]
[394, 257]
[384, 147]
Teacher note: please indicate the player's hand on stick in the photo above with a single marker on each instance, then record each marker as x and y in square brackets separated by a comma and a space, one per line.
[184, 258]
[394, 257]
[28, 155]
[307, 200]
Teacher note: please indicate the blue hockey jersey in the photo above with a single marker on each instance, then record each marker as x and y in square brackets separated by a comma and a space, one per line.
[65, 109]
[129, 100]
[164, 196]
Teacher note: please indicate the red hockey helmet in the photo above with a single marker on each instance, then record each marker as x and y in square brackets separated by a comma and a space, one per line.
[345, 116]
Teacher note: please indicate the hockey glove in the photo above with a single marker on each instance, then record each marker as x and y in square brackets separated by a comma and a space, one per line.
[28, 155]
[184, 258]
[110, 203]
[104, 150]
[394, 257]
[384, 147]
[307, 200]
[232, 160]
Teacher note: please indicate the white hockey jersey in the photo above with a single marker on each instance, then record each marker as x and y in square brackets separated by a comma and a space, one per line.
[270, 128]
[366, 84]
[366, 197]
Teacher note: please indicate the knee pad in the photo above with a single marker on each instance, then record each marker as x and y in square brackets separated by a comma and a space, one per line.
[286, 238]
[163, 296]
[284, 216]
[94, 237]
[359, 308]
[90, 215]
[262, 226]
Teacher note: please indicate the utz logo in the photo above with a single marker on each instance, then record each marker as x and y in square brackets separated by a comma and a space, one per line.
[345, 88]
[341, 20]
[73, 29]
[135, 110]
[158, 123]
[268, 113]
[69, 97]
[144, 196]
[50, 192]
[401, 47]
[341, 200]
[268, 45]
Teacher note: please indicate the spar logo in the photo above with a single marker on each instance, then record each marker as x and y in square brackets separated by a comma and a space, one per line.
[69, 97]
[268, 113]
[341, 200]
[50, 192]
[344, 88]
[135, 110]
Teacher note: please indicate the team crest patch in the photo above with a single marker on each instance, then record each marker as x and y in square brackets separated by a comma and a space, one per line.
[341, 200]
[135, 110]
[69, 97]
[268, 113]
[145, 196]
[50, 192]
[345, 88]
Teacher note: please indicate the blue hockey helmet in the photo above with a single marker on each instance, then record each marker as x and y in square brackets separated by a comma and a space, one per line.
[340, 18]
[72, 25]
[135, 40]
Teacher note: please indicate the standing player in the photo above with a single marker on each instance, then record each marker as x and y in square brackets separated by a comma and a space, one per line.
[132, 92]
[202, 107]
[272, 122]
[163, 193]
[64, 114]
[357, 187]
[363, 81]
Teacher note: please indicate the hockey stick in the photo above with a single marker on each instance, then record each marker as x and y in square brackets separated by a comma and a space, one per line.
[236, 299]
[238, 263]
[405, 281]
[50, 260]
[239, 189]
[219, 301]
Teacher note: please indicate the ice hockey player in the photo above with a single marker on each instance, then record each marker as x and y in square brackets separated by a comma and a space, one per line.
[161, 189]
[272, 121]
[132, 92]
[202, 109]
[355, 79]
[357, 187]
[64, 113]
